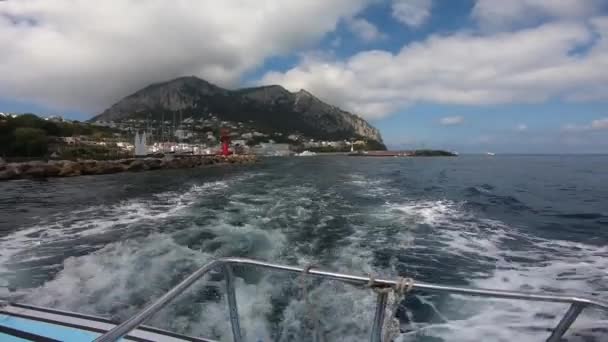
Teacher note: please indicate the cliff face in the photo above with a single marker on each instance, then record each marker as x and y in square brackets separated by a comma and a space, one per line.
[330, 117]
[176, 95]
[271, 108]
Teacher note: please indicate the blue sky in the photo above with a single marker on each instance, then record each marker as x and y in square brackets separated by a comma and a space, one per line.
[520, 76]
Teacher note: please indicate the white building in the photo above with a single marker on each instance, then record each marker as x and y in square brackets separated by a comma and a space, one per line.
[210, 150]
[310, 144]
[69, 140]
[267, 149]
[182, 134]
[124, 146]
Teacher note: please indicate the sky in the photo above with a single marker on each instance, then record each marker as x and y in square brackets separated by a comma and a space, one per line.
[516, 76]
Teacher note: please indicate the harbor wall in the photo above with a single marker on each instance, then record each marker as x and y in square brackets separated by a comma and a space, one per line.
[68, 168]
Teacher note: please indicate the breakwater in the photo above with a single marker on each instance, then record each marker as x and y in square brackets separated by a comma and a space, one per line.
[68, 168]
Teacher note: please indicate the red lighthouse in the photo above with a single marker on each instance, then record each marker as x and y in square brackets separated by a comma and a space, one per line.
[225, 140]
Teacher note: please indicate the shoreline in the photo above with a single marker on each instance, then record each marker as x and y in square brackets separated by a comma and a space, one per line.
[68, 168]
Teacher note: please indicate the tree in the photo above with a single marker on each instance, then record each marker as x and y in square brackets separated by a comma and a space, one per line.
[30, 142]
[7, 127]
[67, 129]
[51, 128]
[28, 120]
[97, 136]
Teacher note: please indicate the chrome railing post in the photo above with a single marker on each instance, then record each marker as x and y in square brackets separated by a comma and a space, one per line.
[381, 300]
[577, 303]
[232, 307]
[566, 321]
[134, 321]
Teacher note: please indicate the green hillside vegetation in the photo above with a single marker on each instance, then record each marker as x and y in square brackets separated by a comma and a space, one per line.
[28, 135]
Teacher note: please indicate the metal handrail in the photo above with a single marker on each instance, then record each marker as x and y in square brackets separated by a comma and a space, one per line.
[577, 304]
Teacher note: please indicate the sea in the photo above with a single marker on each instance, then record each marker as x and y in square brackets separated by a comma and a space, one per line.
[110, 244]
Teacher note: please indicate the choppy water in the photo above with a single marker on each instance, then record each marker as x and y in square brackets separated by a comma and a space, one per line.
[108, 245]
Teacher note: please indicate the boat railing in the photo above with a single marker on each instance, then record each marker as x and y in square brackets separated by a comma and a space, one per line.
[577, 304]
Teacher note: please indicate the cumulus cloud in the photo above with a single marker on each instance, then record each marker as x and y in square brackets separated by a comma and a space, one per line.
[526, 66]
[500, 14]
[521, 128]
[451, 120]
[412, 13]
[365, 30]
[85, 55]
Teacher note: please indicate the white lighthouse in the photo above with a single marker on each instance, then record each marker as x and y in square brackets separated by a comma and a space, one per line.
[141, 148]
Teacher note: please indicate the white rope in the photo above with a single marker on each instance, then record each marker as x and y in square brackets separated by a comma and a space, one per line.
[310, 308]
[396, 294]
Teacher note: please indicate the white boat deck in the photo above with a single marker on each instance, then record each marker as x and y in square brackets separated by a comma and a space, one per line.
[20, 322]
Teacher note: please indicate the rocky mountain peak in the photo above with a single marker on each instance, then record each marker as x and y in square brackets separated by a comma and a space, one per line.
[304, 92]
[269, 108]
[266, 94]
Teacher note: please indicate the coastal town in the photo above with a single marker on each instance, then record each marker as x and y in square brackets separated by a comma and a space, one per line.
[42, 147]
[34, 146]
[142, 137]
[202, 136]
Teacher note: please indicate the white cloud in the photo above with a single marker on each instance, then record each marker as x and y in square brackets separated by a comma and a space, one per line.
[595, 125]
[526, 66]
[500, 14]
[412, 13]
[365, 30]
[521, 128]
[600, 124]
[86, 55]
[574, 128]
[451, 120]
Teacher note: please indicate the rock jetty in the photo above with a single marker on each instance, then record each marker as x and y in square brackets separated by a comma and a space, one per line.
[68, 168]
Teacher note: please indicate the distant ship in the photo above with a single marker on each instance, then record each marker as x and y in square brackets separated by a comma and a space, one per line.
[306, 154]
[491, 153]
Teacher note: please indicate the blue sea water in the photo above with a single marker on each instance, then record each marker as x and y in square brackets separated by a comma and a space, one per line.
[107, 245]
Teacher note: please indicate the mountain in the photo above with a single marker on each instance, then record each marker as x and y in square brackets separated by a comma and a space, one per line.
[268, 109]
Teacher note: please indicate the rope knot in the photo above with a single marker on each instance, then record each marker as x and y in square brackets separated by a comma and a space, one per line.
[307, 268]
[399, 290]
[378, 288]
[404, 285]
